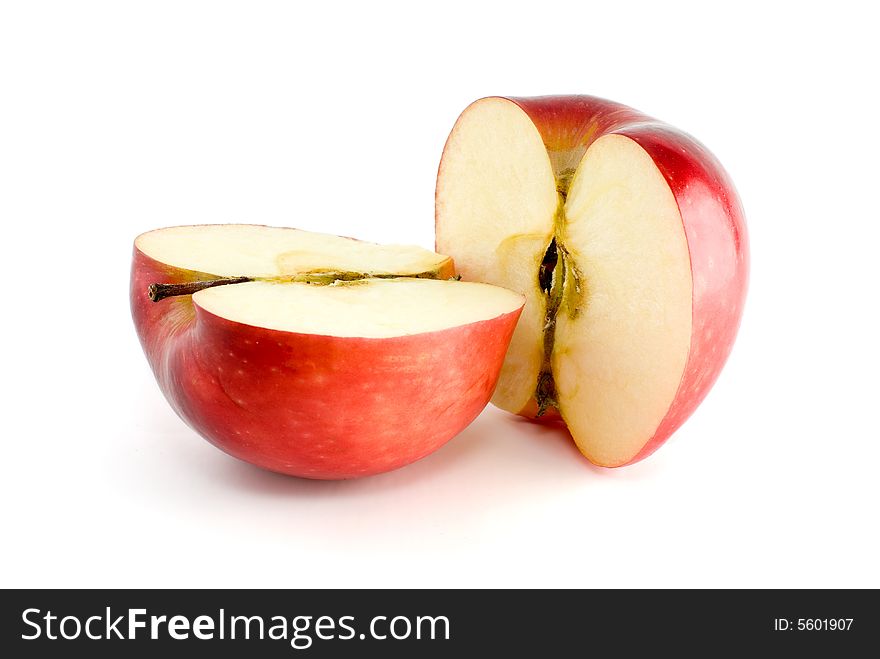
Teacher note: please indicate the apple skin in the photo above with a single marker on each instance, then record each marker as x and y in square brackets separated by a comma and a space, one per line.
[314, 406]
[713, 221]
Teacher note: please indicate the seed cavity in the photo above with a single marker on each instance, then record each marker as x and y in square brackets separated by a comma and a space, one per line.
[562, 283]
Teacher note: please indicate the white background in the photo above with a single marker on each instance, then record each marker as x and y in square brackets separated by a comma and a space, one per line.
[118, 117]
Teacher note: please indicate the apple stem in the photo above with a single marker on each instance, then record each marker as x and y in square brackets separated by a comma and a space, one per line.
[158, 292]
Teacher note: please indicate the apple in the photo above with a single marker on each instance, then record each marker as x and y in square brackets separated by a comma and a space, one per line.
[627, 239]
[316, 355]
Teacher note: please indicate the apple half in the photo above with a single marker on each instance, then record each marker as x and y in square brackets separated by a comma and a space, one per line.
[316, 355]
[627, 239]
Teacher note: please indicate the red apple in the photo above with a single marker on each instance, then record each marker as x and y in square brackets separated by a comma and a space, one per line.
[315, 355]
[628, 240]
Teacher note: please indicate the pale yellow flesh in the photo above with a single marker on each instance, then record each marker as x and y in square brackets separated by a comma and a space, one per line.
[371, 308]
[618, 361]
[496, 197]
[618, 364]
[246, 250]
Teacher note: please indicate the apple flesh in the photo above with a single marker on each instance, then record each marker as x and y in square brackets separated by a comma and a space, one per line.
[627, 239]
[315, 355]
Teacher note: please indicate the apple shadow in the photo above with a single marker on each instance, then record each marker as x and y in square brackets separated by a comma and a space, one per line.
[499, 459]
[501, 452]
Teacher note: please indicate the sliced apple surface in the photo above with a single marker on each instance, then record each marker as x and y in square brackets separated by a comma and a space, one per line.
[496, 202]
[366, 308]
[314, 355]
[628, 242]
[231, 250]
[624, 327]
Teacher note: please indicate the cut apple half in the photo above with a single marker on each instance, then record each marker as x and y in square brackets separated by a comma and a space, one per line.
[366, 308]
[570, 201]
[232, 250]
[623, 328]
[315, 355]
